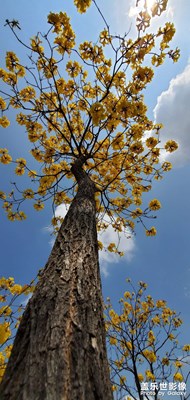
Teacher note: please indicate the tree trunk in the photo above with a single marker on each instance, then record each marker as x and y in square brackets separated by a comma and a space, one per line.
[59, 352]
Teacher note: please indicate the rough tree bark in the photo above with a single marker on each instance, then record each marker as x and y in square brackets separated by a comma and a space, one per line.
[59, 352]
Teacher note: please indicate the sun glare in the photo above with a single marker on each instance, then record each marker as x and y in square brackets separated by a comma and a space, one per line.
[149, 4]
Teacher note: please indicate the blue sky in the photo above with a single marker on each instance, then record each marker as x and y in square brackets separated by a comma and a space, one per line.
[161, 261]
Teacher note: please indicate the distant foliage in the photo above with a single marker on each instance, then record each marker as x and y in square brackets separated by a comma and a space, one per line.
[11, 309]
[143, 342]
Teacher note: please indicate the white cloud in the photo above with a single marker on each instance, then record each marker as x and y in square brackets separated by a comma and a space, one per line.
[156, 21]
[172, 110]
[26, 300]
[126, 242]
[61, 210]
[133, 10]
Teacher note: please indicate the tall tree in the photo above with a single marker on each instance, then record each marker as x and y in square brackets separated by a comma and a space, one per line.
[90, 133]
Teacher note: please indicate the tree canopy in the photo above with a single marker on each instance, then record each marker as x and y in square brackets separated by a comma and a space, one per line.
[85, 102]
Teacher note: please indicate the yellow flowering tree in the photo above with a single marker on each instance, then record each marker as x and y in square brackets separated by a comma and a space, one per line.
[96, 150]
[102, 125]
[145, 354]
[11, 309]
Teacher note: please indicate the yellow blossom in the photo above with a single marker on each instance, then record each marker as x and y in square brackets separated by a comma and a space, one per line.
[21, 162]
[16, 289]
[38, 206]
[20, 215]
[141, 377]
[28, 194]
[122, 379]
[129, 345]
[113, 340]
[2, 195]
[100, 245]
[165, 361]
[97, 113]
[150, 355]
[178, 377]
[82, 5]
[2, 104]
[151, 142]
[5, 158]
[32, 174]
[111, 247]
[151, 336]
[19, 171]
[5, 310]
[171, 336]
[104, 37]
[151, 232]
[156, 320]
[4, 122]
[166, 166]
[127, 295]
[186, 347]
[27, 93]
[154, 205]
[160, 303]
[171, 146]
[8, 350]
[5, 332]
[150, 376]
[178, 364]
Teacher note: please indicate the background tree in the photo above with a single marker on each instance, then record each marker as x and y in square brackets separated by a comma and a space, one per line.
[90, 138]
[11, 296]
[144, 347]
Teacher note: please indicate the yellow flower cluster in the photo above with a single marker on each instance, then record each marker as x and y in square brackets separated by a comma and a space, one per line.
[5, 332]
[82, 5]
[20, 169]
[13, 64]
[2, 104]
[5, 158]
[73, 68]
[97, 112]
[104, 119]
[65, 39]
[171, 146]
[150, 355]
[151, 232]
[150, 376]
[104, 37]
[140, 377]
[113, 340]
[27, 93]
[154, 205]
[4, 122]
[38, 206]
[178, 377]
[186, 347]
